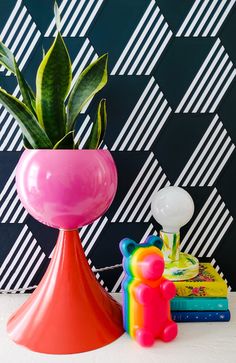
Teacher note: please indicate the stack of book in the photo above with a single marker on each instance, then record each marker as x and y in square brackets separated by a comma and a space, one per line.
[203, 298]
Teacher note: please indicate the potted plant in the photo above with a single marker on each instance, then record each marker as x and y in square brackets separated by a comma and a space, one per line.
[65, 188]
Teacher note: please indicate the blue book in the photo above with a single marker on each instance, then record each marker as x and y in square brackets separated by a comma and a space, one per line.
[199, 303]
[200, 316]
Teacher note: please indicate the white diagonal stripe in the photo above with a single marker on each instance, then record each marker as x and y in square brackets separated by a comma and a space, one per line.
[82, 17]
[16, 259]
[134, 35]
[157, 130]
[209, 158]
[8, 198]
[16, 139]
[67, 16]
[85, 138]
[91, 17]
[27, 268]
[158, 54]
[214, 17]
[205, 18]
[79, 55]
[217, 241]
[90, 231]
[20, 34]
[143, 193]
[198, 75]
[139, 118]
[152, 124]
[13, 128]
[212, 181]
[20, 264]
[29, 48]
[226, 12]
[196, 151]
[35, 269]
[13, 249]
[146, 234]
[17, 212]
[210, 83]
[216, 87]
[118, 282]
[95, 237]
[216, 160]
[132, 115]
[197, 17]
[81, 129]
[212, 235]
[197, 219]
[202, 155]
[10, 209]
[188, 17]
[135, 183]
[145, 121]
[223, 90]
[205, 79]
[13, 31]
[23, 217]
[152, 49]
[10, 19]
[140, 189]
[139, 41]
[203, 223]
[8, 183]
[73, 17]
[207, 230]
[148, 202]
[146, 45]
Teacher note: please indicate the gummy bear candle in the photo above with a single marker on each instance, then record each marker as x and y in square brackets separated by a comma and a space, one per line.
[146, 293]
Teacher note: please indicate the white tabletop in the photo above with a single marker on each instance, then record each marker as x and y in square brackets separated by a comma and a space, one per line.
[196, 342]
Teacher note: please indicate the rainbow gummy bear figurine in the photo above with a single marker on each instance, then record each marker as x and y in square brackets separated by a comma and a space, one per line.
[146, 293]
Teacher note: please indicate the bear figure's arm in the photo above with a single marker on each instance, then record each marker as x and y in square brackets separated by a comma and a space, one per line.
[168, 289]
[143, 293]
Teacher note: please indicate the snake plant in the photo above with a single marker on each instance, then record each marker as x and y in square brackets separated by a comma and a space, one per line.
[47, 119]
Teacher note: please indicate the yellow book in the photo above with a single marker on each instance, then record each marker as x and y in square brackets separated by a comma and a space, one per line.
[208, 283]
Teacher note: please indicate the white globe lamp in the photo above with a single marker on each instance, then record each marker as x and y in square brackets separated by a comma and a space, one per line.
[173, 207]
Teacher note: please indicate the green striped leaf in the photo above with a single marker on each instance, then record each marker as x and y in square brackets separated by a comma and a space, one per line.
[67, 142]
[7, 58]
[99, 127]
[26, 92]
[52, 85]
[90, 81]
[30, 127]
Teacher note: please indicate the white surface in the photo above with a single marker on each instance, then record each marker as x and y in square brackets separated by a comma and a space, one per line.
[172, 207]
[196, 342]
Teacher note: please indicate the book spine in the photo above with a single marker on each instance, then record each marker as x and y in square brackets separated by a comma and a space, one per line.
[196, 303]
[200, 316]
[196, 289]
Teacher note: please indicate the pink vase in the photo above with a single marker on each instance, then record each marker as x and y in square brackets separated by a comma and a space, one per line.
[69, 312]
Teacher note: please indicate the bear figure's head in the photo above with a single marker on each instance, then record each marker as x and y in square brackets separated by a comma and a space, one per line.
[143, 261]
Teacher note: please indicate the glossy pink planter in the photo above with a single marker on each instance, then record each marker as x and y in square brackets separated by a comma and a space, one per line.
[69, 312]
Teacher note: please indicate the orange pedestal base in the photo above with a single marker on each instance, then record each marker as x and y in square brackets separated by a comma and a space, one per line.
[69, 312]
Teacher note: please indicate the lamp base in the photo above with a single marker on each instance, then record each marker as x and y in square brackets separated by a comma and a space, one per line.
[186, 268]
[69, 312]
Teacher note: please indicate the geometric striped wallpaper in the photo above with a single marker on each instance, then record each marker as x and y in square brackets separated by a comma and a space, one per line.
[171, 99]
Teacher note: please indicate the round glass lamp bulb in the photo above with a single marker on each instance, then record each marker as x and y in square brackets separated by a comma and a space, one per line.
[172, 207]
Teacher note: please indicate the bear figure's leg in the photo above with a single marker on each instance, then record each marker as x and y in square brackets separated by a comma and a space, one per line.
[169, 332]
[144, 337]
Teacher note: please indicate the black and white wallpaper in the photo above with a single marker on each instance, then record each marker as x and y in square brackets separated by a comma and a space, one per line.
[171, 121]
